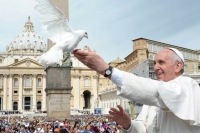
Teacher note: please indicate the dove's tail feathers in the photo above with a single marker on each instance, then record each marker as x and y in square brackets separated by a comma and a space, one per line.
[52, 57]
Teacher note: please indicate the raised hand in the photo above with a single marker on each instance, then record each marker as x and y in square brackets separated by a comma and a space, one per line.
[119, 116]
[91, 60]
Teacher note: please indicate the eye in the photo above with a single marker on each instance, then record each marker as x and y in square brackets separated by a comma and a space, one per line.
[86, 33]
[161, 62]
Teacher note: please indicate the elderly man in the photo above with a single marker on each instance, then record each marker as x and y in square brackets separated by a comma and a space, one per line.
[173, 100]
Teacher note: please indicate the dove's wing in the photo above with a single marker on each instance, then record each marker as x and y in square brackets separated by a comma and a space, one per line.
[54, 20]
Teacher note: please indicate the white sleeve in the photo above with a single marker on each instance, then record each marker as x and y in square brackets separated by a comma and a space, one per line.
[145, 121]
[136, 88]
[116, 77]
[139, 124]
[136, 127]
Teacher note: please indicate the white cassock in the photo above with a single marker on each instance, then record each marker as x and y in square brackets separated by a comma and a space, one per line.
[173, 107]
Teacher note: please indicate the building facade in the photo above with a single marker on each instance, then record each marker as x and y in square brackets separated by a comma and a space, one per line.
[84, 95]
[22, 79]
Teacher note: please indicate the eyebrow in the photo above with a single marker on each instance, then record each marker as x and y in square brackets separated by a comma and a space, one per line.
[159, 61]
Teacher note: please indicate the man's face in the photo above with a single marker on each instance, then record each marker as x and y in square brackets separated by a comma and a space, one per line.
[165, 68]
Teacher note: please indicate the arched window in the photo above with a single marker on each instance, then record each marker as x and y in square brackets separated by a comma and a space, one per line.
[28, 81]
[39, 82]
[86, 81]
[87, 97]
[16, 82]
[39, 105]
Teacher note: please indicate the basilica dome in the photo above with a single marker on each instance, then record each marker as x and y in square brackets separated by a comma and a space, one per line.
[27, 41]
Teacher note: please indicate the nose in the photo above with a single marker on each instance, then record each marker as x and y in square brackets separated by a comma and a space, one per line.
[156, 67]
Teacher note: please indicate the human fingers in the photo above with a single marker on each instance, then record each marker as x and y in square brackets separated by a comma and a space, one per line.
[75, 50]
[120, 108]
[111, 112]
[80, 52]
[109, 116]
[89, 50]
[114, 110]
[80, 57]
[84, 60]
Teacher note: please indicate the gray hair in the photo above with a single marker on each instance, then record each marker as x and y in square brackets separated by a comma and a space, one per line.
[176, 58]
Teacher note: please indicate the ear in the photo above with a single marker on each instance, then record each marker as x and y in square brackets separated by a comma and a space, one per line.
[179, 66]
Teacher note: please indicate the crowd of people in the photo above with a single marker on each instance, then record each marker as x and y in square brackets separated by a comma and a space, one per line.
[76, 124]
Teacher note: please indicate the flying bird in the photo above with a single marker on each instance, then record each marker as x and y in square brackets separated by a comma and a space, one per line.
[59, 32]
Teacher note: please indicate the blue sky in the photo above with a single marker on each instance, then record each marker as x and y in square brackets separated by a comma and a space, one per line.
[113, 24]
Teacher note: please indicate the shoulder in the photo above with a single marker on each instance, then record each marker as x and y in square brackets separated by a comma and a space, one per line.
[181, 79]
[186, 80]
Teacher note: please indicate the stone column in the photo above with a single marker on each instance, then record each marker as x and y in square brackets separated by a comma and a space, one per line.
[31, 103]
[76, 87]
[4, 92]
[10, 102]
[34, 93]
[44, 107]
[58, 90]
[20, 93]
[92, 104]
[95, 104]
[23, 103]
[82, 101]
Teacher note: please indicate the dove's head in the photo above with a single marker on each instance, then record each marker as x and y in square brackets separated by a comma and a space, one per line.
[86, 35]
[83, 33]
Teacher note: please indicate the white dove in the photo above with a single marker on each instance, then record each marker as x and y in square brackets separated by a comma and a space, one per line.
[59, 32]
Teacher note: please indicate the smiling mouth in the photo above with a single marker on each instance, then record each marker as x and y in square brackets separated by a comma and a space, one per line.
[158, 74]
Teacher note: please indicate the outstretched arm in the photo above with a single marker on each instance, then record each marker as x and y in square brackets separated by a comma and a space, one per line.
[91, 60]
